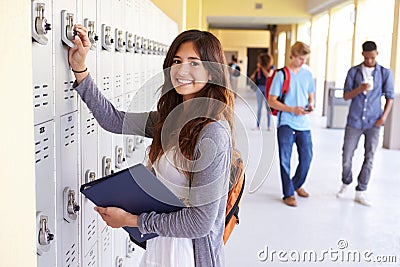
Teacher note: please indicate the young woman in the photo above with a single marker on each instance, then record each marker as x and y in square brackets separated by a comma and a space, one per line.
[259, 77]
[191, 148]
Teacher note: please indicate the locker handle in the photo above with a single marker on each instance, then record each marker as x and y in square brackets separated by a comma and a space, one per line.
[40, 26]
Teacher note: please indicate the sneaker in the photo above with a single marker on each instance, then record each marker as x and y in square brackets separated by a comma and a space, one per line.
[302, 193]
[361, 198]
[290, 201]
[255, 128]
[342, 191]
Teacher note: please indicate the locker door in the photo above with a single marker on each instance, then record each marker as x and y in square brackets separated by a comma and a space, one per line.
[119, 156]
[67, 190]
[130, 42]
[91, 258]
[88, 142]
[119, 46]
[89, 172]
[42, 61]
[65, 17]
[106, 247]
[106, 52]
[45, 194]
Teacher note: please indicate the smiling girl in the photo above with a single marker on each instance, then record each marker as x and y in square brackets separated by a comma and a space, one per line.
[191, 148]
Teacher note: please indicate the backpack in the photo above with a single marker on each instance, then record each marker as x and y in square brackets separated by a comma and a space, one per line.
[236, 188]
[285, 87]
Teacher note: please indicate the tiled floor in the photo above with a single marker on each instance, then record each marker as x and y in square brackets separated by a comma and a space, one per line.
[322, 230]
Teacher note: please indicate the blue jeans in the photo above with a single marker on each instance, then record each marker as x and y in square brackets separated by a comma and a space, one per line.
[286, 137]
[351, 139]
[260, 94]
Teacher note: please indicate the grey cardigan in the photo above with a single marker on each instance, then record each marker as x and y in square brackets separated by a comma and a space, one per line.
[204, 220]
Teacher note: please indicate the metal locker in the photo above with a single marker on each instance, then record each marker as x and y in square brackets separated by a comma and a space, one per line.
[120, 247]
[42, 61]
[88, 17]
[119, 47]
[45, 194]
[106, 85]
[119, 157]
[129, 144]
[106, 247]
[106, 52]
[130, 46]
[67, 190]
[137, 66]
[64, 19]
[89, 172]
[134, 253]
[91, 259]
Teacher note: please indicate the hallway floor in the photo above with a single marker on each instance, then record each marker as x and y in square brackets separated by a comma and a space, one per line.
[322, 230]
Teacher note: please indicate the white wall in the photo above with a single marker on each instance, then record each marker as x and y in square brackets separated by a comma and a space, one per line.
[17, 179]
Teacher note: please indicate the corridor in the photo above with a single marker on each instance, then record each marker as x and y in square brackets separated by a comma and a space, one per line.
[331, 230]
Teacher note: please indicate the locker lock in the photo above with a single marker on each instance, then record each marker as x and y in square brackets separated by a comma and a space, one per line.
[67, 28]
[90, 176]
[106, 166]
[119, 157]
[93, 38]
[130, 247]
[156, 48]
[145, 46]
[71, 208]
[44, 233]
[130, 42]
[130, 145]
[151, 47]
[139, 141]
[107, 41]
[138, 44]
[40, 27]
[41, 22]
[120, 44]
[119, 262]
[70, 27]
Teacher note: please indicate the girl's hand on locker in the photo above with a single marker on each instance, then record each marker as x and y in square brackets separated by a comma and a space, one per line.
[116, 217]
[77, 55]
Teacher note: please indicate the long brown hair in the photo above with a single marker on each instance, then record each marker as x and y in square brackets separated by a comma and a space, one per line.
[187, 132]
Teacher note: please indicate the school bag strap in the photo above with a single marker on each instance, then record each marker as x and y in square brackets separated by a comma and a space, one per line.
[285, 87]
[286, 80]
[235, 207]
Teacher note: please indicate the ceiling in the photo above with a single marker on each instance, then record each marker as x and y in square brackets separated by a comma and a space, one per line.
[263, 22]
[241, 22]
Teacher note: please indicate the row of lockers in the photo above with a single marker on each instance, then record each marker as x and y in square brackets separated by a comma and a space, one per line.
[129, 41]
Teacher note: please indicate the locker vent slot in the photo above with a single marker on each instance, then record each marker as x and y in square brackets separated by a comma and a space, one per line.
[71, 255]
[91, 230]
[107, 240]
[106, 83]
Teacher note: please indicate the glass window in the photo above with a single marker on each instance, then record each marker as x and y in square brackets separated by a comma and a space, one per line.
[340, 43]
[319, 38]
[375, 28]
[304, 32]
[281, 49]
